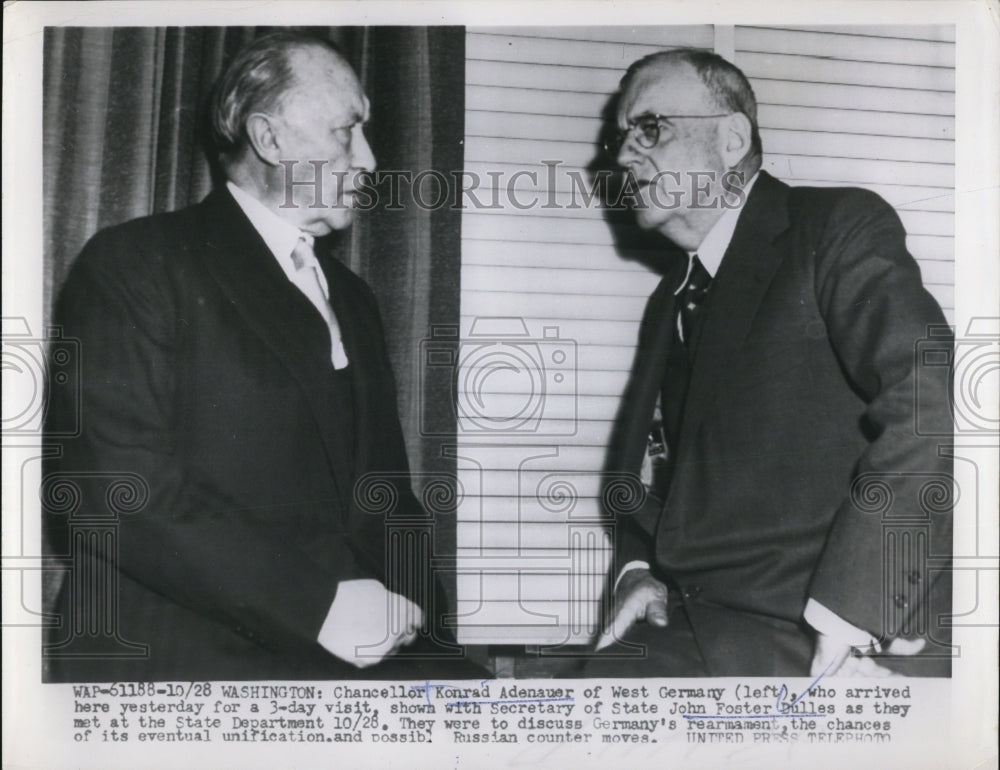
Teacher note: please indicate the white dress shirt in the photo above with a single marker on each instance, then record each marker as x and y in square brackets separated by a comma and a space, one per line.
[356, 628]
[710, 253]
[281, 238]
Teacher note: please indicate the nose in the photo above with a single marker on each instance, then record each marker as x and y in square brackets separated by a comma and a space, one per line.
[628, 154]
[362, 157]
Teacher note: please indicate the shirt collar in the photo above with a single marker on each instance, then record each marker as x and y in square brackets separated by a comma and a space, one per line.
[713, 246]
[279, 235]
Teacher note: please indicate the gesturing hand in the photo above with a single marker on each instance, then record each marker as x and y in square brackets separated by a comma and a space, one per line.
[639, 596]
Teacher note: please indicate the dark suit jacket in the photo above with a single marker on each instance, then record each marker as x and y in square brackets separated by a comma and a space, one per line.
[799, 469]
[206, 389]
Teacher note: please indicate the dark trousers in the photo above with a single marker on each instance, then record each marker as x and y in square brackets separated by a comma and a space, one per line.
[728, 643]
[648, 651]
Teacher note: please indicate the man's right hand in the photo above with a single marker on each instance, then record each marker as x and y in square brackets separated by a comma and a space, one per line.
[638, 597]
[367, 623]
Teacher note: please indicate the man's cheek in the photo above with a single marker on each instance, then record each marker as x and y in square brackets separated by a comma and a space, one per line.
[334, 182]
[666, 193]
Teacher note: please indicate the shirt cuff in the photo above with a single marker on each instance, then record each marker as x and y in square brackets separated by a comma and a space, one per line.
[628, 568]
[831, 624]
[356, 618]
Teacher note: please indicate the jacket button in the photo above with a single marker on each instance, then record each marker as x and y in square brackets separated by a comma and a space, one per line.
[913, 577]
[691, 592]
[899, 601]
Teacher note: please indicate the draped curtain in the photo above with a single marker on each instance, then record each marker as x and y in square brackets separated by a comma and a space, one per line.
[124, 129]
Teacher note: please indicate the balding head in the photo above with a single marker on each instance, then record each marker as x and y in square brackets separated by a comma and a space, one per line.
[709, 82]
[289, 125]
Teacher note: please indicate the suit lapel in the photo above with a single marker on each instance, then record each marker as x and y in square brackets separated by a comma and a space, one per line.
[357, 334]
[651, 362]
[274, 309]
[746, 272]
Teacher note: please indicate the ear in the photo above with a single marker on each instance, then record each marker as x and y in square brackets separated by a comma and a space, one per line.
[262, 137]
[736, 132]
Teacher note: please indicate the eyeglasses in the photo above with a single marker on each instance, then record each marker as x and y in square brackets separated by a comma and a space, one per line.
[646, 131]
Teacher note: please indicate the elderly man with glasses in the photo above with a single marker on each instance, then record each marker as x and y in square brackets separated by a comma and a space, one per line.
[777, 367]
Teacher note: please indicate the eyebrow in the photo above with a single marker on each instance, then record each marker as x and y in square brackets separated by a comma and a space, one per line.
[655, 115]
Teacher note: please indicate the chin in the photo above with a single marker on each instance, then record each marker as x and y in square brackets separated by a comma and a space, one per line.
[646, 219]
[340, 220]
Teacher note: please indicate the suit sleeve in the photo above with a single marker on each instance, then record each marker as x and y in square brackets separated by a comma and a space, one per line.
[408, 574]
[874, 570]
[190, 542]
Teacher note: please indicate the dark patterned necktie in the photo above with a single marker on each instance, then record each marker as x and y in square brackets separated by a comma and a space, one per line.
[692, 302]
[680, 357]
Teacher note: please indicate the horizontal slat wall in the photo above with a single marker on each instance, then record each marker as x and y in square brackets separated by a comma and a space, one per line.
[869, 107]
[838, 105]
[533, 103]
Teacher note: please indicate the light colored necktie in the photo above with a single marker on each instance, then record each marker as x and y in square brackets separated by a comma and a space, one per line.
[311, 281]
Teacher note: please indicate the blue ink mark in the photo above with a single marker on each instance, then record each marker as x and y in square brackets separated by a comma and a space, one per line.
[782, 710]
[765, 715]
[427, 685]
[783, 690]
[502, 700]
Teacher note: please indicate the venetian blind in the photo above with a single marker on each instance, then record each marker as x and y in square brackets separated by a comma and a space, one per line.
[866, 107]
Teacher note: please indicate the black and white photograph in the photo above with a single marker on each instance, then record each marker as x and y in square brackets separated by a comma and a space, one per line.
[506, 388]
